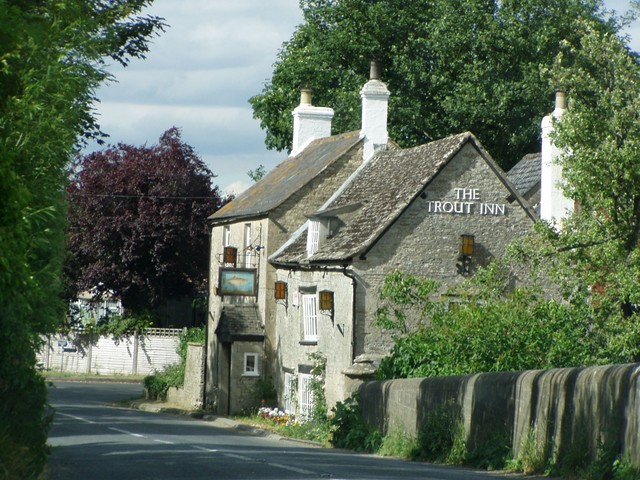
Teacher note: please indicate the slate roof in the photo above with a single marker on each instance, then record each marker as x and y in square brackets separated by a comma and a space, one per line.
[240, 322]
[525, 175]
[379, 193]
[288, 177]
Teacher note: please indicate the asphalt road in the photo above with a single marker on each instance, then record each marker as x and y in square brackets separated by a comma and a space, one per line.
[95, 441]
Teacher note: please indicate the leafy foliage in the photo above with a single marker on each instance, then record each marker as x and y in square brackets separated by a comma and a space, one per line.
[519, 330]
[137, 222]
[441, 437]
[190, 335]
[599, 245]
[451, 66]
[52, 56]
[349, 430]
[257, 174]
[157, 385]
[120, 326]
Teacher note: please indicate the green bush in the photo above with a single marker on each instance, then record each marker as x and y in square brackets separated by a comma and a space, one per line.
[623, 469]
[532, 457]
[190, 335]
[24, 423]
[439, 438]
[350, 431]
[157, 385]
[119, 326]
[397, 444]
[486, 332]
[263, 394]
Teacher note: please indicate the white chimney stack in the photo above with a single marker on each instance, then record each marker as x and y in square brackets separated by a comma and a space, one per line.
[375, 103]
[554, 206]
[309, 122]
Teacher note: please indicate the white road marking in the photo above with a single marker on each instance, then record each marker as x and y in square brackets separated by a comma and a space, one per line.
[80, 419]
[292, 469]
[166, 442]
[210, 450]
[137, 435]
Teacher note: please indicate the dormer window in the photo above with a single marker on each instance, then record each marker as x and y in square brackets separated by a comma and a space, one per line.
[313, 237]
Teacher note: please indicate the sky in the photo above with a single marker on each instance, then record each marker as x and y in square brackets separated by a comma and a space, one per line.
[199, 75]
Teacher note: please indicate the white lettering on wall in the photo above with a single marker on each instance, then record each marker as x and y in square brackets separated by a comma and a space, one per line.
[467, 193]
[467, 203]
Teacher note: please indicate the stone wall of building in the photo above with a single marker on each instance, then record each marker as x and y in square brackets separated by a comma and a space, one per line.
[242, 396]
[285, 221]
[335, 332]
[468, 198]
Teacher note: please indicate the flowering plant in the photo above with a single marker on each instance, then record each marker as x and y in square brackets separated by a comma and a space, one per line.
[276, 415]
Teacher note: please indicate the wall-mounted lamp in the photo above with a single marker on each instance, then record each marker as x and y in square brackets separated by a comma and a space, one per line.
[280, 290]
[230, 255]
[467, 245]
[326, 302]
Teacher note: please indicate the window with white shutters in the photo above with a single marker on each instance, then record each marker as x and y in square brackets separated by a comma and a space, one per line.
[313, 237]
[306, 394]
[310, 317]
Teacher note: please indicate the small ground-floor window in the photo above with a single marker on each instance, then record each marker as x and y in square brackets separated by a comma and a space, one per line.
[250, 364]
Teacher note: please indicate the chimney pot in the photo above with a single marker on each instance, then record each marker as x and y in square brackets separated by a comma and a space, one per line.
[561, 99]
[375, 70]
[305, 95]
[309, 122]
[375, 104]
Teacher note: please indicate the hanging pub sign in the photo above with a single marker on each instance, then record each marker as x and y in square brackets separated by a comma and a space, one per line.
[238, 281]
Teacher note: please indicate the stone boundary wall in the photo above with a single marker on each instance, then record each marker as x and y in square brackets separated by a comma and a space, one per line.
[190, 395]
[564, 408]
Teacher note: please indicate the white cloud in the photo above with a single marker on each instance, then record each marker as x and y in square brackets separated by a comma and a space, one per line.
[199, 75]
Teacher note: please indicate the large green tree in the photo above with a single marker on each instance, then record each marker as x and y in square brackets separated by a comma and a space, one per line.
[581, 302]
[451, 65]
[600, 134]
[52, 59]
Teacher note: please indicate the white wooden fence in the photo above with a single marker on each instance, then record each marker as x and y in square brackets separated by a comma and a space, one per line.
[105, 355]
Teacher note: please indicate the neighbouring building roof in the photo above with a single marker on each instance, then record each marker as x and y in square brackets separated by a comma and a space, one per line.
[240, 322]
[377, 196]
[525, 175]
[288, 178]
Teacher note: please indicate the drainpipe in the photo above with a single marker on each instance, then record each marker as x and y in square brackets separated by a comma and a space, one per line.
[354, 284]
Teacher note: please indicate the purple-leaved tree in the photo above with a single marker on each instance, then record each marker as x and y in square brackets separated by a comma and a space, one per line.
[137, 222]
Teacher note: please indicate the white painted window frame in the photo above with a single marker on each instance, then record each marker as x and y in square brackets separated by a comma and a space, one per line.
[309, 317]
[289, 393]
[313, 237]
[249, 370]
[305, 394]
